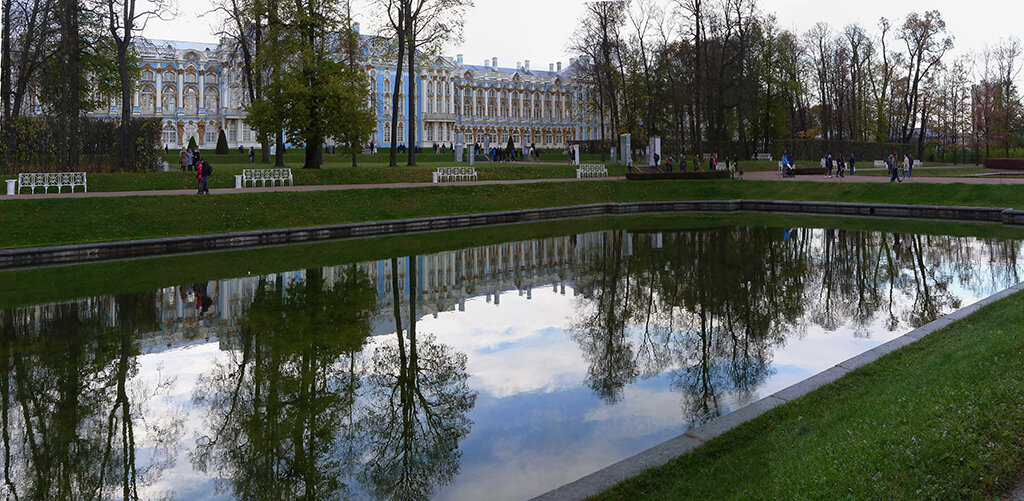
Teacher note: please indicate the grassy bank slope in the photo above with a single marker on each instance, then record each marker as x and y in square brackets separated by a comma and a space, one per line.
[60, 221]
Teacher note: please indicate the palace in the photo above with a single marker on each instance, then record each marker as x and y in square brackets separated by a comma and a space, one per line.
[197, 89]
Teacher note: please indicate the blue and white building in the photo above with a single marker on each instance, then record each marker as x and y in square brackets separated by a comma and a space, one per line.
[197, 89]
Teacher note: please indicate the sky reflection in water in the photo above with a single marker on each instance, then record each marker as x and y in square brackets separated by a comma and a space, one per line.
[522, 366]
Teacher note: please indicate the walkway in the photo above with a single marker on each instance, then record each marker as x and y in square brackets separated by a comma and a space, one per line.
[302, 188]
[751, 176]
[774, 176]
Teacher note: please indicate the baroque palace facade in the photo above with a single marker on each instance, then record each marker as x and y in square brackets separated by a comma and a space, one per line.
[197, 89]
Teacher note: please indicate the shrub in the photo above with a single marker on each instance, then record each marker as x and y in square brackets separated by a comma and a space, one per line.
[222, 143]
[30, 144]
[192, 143]
[1004, 163]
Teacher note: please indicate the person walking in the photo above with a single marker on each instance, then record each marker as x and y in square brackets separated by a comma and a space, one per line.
[894, 172]
[908, 163]
[203, 171]
[183, 158]
[851, 162]
[252, 154]
[736, 164]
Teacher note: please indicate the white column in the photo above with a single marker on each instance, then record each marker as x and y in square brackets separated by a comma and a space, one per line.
[159, 104]
[181, 90]
[202, 92]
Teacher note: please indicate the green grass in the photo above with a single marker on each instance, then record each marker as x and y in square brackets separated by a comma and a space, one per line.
[933, 172]
[37, 222]
[940, 419]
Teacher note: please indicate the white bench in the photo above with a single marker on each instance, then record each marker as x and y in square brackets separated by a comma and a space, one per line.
[273, 176]
[706, 156]
[880, 164]
[47, 179]
[767, 157]
[454, 174]
[592, 170]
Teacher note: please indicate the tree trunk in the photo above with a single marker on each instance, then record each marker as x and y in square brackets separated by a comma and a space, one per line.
[411, 54]
[393, 154]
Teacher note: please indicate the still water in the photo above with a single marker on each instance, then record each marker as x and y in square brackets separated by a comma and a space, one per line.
[519, 366]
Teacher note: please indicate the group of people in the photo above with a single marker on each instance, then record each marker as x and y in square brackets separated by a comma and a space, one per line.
[899, 171]
[838, 165]
[191, 160]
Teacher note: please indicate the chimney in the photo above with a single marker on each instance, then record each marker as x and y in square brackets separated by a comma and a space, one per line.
[494, 62]
[559, 66]
[519, 65]
[487, 63]
[527, 65]
[551, 66]
[572, 61]
[458, 58]
[355, 26]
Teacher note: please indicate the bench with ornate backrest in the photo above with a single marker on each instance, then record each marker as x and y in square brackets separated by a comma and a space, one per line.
[767, 157]
[273, 176]
[454, 174]
[592, 170]
[879, 164]
[45, 180]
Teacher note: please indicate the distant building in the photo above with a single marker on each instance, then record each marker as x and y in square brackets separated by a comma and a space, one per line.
[197, 89]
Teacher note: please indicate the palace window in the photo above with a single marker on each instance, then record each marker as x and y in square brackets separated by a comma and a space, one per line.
[211, 136]
[401, 132]
[170, 77]
[148, 98]
[430, 132]
[190, 77]
[148, 76]
[233, 133]
[491, 111]
[170, 133]
[387, 133]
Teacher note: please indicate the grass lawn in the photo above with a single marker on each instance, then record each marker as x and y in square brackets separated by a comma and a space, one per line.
[940, 419]
[36, 222]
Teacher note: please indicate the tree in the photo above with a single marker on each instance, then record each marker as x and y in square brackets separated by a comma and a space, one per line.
[222, 143]
[319, 96]
[394, 37]
[925, 48]
[192, 143]
[245, 24]
[124, 19]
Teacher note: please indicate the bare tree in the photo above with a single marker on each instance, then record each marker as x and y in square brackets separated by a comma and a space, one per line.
[925, 48]
[126, 18]
[430, 24]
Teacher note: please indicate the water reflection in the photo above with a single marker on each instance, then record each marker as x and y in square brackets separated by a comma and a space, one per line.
[279, 411]
[74, 412]
[358, 381]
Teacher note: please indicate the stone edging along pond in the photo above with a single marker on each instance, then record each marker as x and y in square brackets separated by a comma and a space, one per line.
[76, 253]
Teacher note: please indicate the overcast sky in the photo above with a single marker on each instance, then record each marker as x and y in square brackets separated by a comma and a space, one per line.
[540, 30]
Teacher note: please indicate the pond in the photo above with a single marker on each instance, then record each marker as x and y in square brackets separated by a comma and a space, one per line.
[522, 363]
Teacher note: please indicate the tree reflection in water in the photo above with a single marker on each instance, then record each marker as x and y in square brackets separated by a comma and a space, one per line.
[709, 307]
[73, 415]
[304, 405]
[417, 400]
[280, 410]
